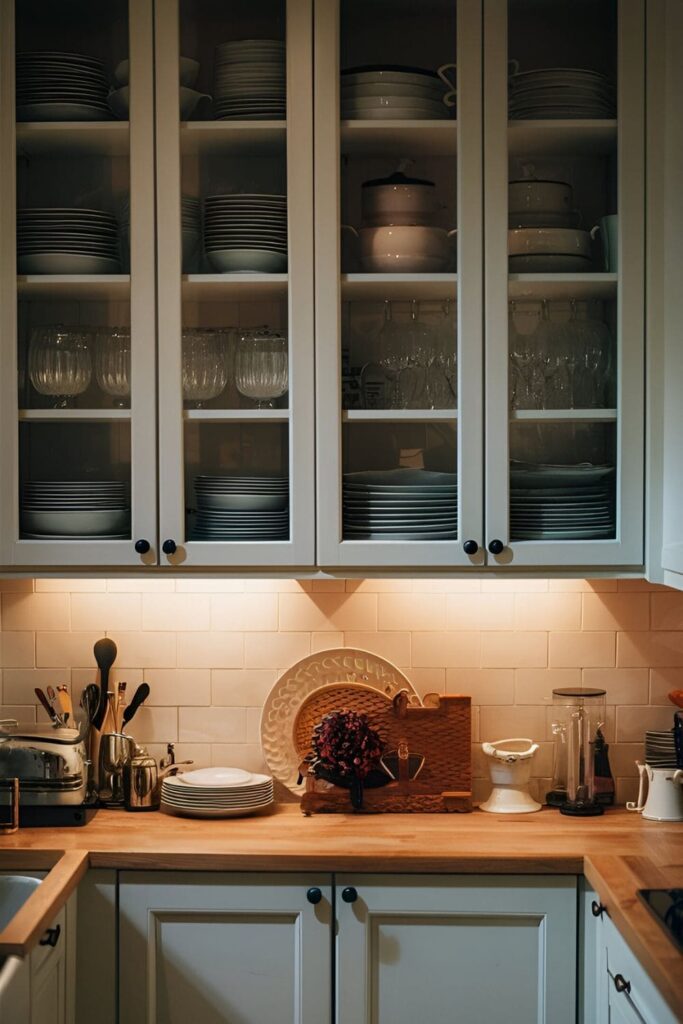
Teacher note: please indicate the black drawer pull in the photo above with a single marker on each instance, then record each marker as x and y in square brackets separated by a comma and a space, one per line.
[51, 936]
[597, 909]
[621, 984]
[314, 894]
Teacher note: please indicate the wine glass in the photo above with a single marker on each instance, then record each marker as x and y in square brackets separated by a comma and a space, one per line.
[112, 363]
[204, 367]
[59, 362]
[261, 366]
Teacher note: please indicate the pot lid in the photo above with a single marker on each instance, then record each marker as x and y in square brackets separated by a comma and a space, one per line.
[538, 181]
[362, 68]
[397, 178]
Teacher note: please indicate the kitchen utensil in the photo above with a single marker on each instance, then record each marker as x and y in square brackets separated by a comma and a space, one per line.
[510, 768]
[65, 704]
[120, 705]
[604, 780]
[142, 779]
[105, 656]
[90, 700]
[140, 695]
[608, 229]
[52, 714]
[115, 751]
[578, 715]
[664, 800]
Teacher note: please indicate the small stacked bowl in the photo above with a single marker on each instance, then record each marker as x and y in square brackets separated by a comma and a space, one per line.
[392, 92]
[189, 98]
[541, 229]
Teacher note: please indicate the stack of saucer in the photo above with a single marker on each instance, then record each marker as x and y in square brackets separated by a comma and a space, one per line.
[216, 793]
[660, 748]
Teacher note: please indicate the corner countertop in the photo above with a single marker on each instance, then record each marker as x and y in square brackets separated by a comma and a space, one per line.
[619, 853]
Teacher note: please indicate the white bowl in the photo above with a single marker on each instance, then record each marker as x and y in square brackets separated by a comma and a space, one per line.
[189, 72]
[542, 219]
[532, 195]
[119, 102]
[352, 113]
[550, 262]
[247, 261]
[80, 523]
[404, 241]
[559, 241]
[395, 264]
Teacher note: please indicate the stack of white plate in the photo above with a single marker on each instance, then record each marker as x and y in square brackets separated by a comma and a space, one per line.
[557, 93]
[660, 748]
[236, 508]
[400, 504]
[246, 233]
[392, 92]
[53, 86]
[562, 502]
[249, 80]
[78, 509]
[216, 793]
[191, 223]
[54, 240]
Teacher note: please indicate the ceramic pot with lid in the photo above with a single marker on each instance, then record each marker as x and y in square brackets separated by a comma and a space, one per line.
[398, 200]
[510, 768]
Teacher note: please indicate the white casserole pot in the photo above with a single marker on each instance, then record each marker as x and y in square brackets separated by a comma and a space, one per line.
[560, 241]
[398, 200]
[510, 768]
[404, 248]
[529, 195]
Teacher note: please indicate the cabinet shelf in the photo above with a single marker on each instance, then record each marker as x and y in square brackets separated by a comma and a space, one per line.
[237, 415]
[369, 287]
[84, 415]
[562, 138]
[399, 415]
[564, 415]
[562, 286]
[73, 138]
[74, 286]
[209, 138]
[246, 287]
[396, 138]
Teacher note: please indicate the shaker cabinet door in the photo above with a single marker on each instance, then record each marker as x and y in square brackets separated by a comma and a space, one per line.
[216, 948]
[456, 948]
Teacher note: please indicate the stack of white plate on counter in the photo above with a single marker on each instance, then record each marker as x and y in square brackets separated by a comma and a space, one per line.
[216, 793]
[392, 92]
[54, 86]
[241, 508]
[246, 233]
[54, 240]
[249, 80]
[562, 502]
[400, 504]
[559, 93]
[77, 509]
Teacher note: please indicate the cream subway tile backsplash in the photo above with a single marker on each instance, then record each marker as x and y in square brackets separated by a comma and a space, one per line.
[212, 648]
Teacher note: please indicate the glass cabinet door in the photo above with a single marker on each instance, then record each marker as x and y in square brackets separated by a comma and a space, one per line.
[235, 289]
[564, 193]
[398, 282]
[77, 283]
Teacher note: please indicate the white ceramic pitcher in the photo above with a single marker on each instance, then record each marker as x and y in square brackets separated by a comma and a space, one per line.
[664, 793]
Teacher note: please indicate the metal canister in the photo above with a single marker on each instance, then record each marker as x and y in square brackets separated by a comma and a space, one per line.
[141, 782]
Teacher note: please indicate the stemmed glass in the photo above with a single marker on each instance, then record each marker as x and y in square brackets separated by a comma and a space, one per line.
[204, 365]
[261, 366]
[59, 362]
[112, 363]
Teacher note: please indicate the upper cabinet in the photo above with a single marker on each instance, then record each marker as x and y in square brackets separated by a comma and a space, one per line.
[370, 274]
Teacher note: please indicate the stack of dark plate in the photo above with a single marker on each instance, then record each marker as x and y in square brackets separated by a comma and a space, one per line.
[660, 748]
[562, 502]
[559, 93]
[400, 504]
[246, 232]
[54, 240]
[75, 509]
[241, 508]
[54, 86]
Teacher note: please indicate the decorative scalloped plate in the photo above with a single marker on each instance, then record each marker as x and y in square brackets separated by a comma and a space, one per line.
[337, 665]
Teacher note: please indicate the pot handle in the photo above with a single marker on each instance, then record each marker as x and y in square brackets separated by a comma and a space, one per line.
[594, 231]
[640, 802]
[452, 232]
[678, 777]
[449, 97]
[513, 67]
[348, 227]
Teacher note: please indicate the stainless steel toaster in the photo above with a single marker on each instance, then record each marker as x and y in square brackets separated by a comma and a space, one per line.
[50, 763]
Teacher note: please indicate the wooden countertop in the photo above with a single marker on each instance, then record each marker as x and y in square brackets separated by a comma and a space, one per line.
[618, 853]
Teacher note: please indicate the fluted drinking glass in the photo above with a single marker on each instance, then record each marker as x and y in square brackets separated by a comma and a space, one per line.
[261, 366]
[59, 362]
[112, 363]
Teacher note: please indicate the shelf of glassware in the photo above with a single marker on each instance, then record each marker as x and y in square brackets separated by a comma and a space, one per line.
[562, 138]
[74, 138]
[371, 287]
[89, 287]
[563, 286]
[233, 138]
[245, 287]
[396, 138]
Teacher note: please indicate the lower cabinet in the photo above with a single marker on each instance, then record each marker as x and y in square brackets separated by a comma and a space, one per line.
[357, 949]
[39, 989]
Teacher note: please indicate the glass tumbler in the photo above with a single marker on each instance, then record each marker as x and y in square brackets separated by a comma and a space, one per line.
[59, 362]
[112, 363]
[204, 366]
[261, 366]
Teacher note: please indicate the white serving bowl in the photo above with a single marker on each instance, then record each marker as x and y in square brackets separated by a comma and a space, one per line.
[542, 219]
[560, 241]
[247, 261]
[119, 102]
[532, 195]
[188, 74]
[404, 241]
[77, 523]
[398, 200]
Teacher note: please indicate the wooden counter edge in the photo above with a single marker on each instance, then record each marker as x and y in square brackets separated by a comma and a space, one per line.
[43, 905]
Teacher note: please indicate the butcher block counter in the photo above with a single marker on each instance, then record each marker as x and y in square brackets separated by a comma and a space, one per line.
[618, 853]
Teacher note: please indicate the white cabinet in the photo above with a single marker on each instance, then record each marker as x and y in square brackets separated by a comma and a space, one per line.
[49, 975]
[471, 948]
[215, 948]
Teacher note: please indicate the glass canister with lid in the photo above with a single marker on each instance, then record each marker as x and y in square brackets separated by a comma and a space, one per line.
[578, 715]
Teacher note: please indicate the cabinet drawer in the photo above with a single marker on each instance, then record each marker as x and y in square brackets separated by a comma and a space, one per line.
[642, 999]
[46, 951]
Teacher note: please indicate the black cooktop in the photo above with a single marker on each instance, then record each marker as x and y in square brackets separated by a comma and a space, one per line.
[667, 906]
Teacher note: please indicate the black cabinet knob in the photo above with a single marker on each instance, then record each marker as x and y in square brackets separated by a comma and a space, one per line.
[496, 547]
[349, 894]
[51, 936]
[169, 547]
[142, 546]
[314, 894]
[621, 984]
[470, 547]
[597, 909]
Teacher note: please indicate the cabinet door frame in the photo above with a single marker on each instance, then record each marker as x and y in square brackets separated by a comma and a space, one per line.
[628, 548]
[550, 898]
[299, 550]
[333, 551]
[17, 553]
